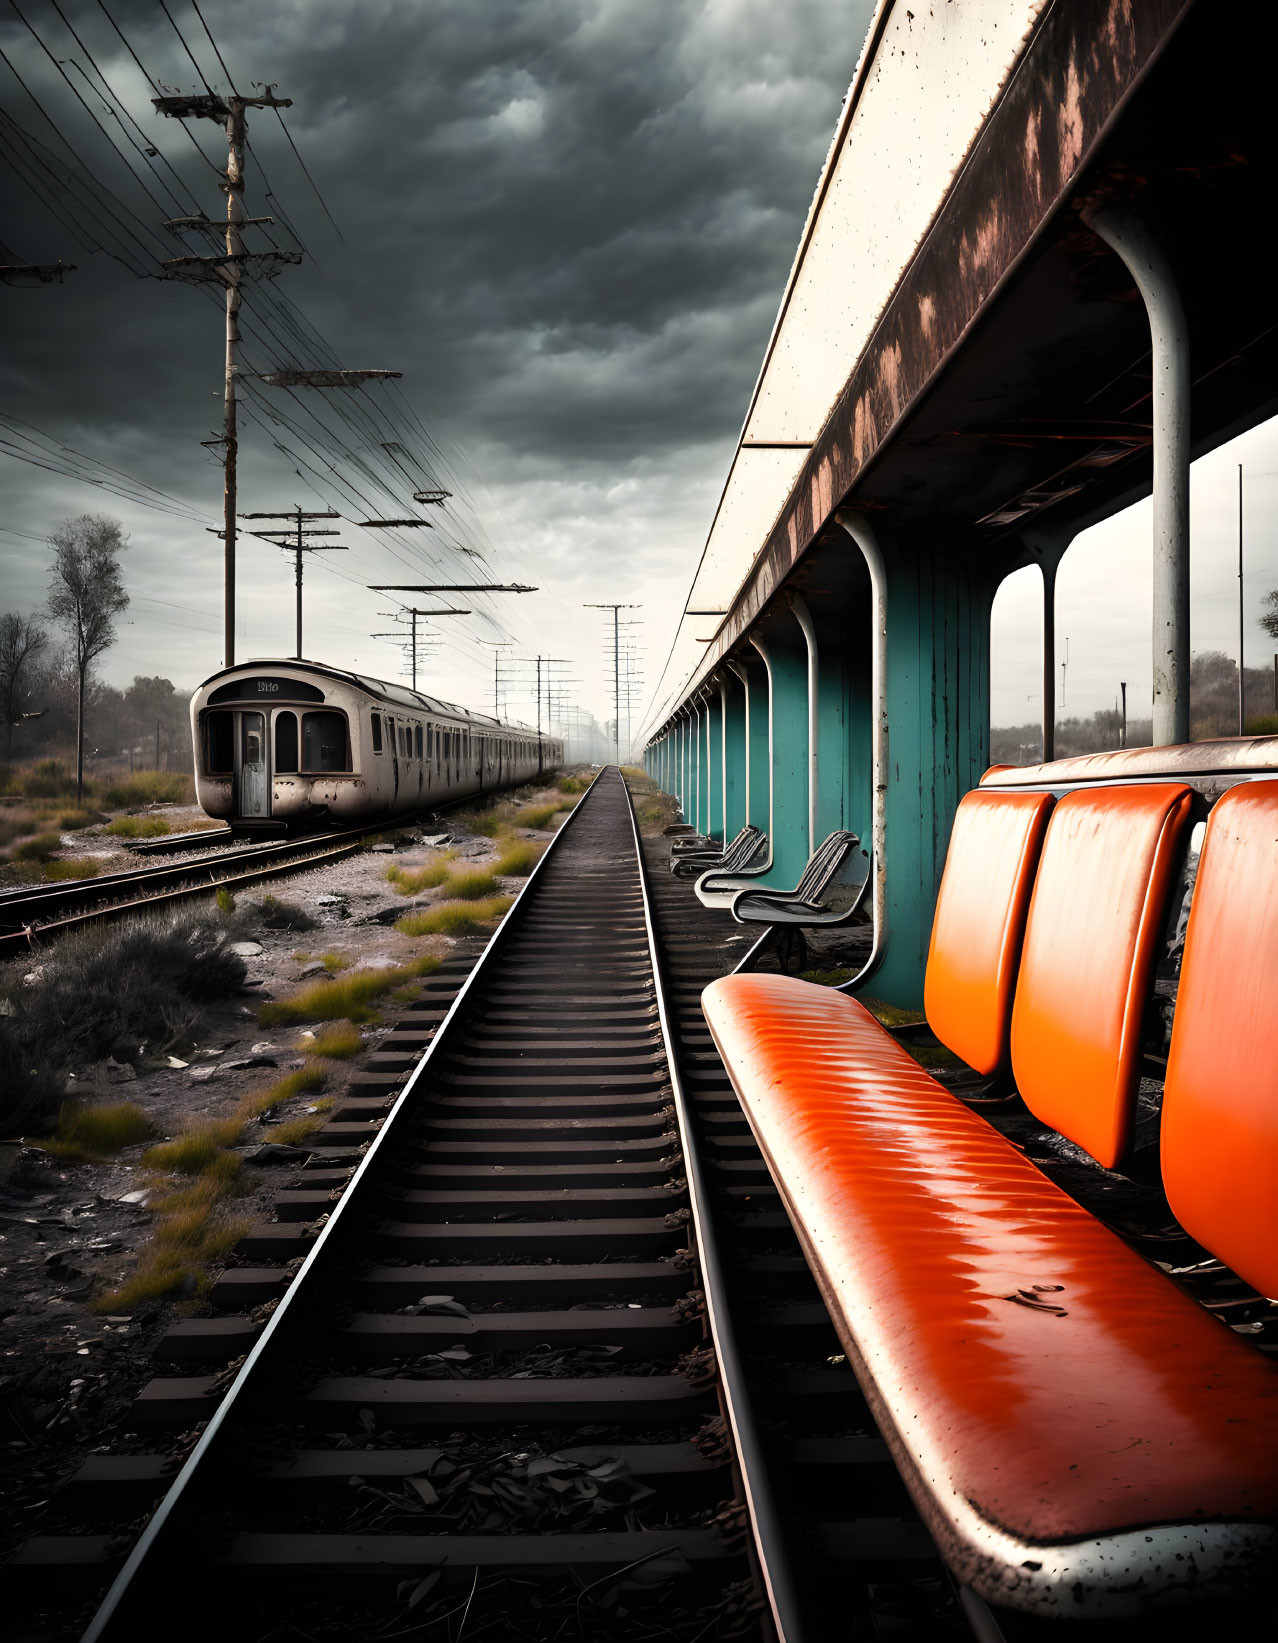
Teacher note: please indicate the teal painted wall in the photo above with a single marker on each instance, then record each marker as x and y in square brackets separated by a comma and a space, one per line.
[714, 767]
[786, 656]
[734, 725]
[760, 782]
[938, 740]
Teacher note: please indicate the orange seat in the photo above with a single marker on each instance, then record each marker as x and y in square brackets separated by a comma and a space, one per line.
[1079, 1435]
[1220, 1103]
[980, 920]
[1105, 872]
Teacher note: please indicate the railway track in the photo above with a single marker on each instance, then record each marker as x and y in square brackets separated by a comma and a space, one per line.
[33, 912]
[493, 1383]
[862, 1564]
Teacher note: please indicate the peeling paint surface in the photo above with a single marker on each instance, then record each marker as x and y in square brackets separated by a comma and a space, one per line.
[1073, 74]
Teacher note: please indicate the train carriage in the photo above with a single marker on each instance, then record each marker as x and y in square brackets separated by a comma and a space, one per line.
[284, 746]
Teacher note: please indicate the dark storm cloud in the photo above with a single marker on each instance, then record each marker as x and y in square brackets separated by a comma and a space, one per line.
[567, 221]
[530, 193]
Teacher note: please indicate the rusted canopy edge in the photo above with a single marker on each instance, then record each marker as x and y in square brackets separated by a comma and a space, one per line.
[1083, 62]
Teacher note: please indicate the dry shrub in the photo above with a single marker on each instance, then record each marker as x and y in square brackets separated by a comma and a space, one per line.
[273, 913]
[74, 821]
[39, 848]
[106, 991]
[148, 787]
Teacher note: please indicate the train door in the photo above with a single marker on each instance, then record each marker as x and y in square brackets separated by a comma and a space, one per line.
[254, 782]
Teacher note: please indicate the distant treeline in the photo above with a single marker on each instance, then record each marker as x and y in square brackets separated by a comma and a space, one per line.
[1213, 711]
[122, 725]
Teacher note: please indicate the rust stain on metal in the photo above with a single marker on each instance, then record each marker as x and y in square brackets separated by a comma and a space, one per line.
[1083, 61]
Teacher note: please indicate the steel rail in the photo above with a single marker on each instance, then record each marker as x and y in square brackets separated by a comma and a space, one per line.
[103, 1624]
[766, 1529]
[23, 905]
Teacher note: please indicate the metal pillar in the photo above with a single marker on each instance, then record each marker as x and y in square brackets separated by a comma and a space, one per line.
[736, 749]
[1145, 261]
[931, 628]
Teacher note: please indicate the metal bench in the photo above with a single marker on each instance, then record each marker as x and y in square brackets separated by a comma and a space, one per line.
[1081, 1437]
[749, 843]
[829, 894]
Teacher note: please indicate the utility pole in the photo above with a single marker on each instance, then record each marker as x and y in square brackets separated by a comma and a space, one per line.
[413, 614]
[1122, 729]
[497, 646]
[230, 269]
[300, 547]
[616, 667]
[549, 661]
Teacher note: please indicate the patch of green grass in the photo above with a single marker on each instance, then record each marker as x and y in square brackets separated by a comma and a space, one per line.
[454, 918]
[334, 963]
[538, 816]
[827, 978]
[137, 827]
[633, 773]
[573, 784]
[85, 1133]
[74, 867]
[349, 998]
[196, 1149]
[225, 903]
[518, 859]
[39, 848]
[891, 1015]
[339, 1042]
[294, 1131]
[471, 884]
[410, 881]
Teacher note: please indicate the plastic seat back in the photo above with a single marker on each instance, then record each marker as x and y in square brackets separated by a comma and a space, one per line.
[980, 920]
[825, 863]
[1096, 915]
[1220, 1103]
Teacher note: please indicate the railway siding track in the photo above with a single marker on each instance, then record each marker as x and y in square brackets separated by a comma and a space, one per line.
[35, 912]
[491, 1364]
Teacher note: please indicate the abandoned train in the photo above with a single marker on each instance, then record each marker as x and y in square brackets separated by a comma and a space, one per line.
[284, 746]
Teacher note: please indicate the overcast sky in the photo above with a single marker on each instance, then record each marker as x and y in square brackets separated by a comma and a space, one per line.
[568, 223]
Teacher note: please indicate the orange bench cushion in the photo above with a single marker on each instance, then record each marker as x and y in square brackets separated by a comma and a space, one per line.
[979, 922]
[1031, 1369]
[1095, 919]
[1220, 1102]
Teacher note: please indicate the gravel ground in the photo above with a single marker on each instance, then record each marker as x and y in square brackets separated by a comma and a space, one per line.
[68, 1374]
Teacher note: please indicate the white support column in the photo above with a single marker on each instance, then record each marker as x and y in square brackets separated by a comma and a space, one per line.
[1147, 264]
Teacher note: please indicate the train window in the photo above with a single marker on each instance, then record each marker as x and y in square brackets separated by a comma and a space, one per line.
[417, 740]
[324, 742]
[377, 732]
[405, 740]
[219, 743]
[428, 741]
[285, 743]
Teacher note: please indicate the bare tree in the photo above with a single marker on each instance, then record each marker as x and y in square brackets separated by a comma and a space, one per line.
[86, 594]
[22, 640]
